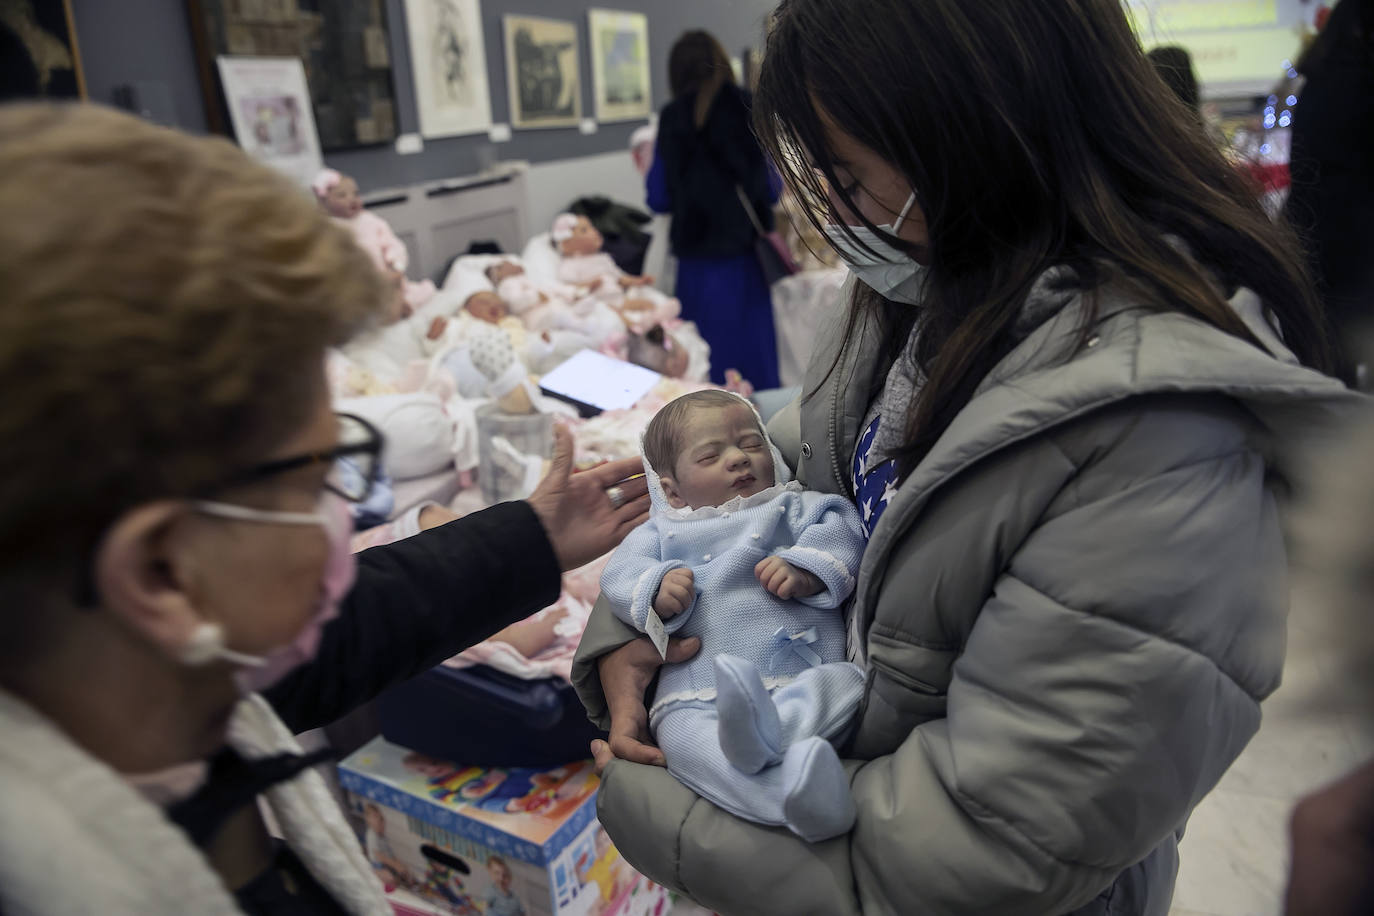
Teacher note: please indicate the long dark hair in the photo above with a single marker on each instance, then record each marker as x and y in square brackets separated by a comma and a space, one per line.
[1033, 134]
[698, 65]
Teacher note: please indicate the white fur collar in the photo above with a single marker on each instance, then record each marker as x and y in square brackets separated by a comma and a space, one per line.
[82, 818]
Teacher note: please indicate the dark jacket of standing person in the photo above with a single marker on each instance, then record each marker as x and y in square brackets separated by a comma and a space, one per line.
[702, 168]
[1175, 66]
[1332, 200]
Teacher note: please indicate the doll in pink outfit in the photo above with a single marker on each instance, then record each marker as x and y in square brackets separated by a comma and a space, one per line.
[646, 315]
[585, 264]
[338, 194]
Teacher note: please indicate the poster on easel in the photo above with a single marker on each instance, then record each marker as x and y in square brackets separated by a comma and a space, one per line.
[620, 65]
[269, 105]
[449, 62]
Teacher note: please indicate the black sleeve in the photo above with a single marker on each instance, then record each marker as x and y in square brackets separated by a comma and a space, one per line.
[419, 601]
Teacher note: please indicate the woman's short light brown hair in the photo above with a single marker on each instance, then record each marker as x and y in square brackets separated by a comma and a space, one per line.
[165, 305]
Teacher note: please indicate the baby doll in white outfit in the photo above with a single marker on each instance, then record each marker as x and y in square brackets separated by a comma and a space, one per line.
[757, 568]
[523, 295]
[338, 194]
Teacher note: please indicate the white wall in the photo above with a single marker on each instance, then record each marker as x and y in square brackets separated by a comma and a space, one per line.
[551, 186]
[554, 185]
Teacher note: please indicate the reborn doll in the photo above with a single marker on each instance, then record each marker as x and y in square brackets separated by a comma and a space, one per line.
[757, 568]
[338, 194]
[584, 263]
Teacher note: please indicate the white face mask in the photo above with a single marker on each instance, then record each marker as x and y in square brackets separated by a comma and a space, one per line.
[888, 271]
[258, 672]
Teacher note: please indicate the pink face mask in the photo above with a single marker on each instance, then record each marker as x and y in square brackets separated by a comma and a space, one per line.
[256, 673]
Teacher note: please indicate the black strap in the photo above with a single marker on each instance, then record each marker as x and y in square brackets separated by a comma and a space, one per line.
[232, 783]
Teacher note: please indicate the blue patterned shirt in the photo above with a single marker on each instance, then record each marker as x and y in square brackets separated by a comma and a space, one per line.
[874, 489]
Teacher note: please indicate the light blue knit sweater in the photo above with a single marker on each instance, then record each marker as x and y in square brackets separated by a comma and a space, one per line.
[732, 612]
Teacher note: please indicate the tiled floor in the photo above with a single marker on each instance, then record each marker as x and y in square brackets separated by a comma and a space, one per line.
[1235, 854]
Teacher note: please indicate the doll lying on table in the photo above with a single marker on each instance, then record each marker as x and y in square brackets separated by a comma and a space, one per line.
[757, 568]
[338, 194]
[584, 264]
[486, 337]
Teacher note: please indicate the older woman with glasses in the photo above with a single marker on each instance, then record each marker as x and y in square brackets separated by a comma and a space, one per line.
[178, 596]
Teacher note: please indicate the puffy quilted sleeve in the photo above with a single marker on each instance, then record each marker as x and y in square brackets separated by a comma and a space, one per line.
[1111, 677]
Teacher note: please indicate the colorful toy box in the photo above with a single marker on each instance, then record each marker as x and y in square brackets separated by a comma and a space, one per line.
[489, 841]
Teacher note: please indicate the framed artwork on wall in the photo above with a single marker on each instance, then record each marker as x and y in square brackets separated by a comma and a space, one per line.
[620, 65]
[543, 79]
[344, 46]
[449, 61]
[44, 61]
[269, 105]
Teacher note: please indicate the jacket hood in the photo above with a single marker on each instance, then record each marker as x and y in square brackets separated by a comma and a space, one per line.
[782, 479]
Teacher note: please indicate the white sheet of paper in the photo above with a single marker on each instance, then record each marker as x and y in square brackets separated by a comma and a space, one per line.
[653, 626]
[600, 380]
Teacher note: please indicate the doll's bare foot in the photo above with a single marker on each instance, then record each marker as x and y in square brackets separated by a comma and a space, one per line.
[533, 635]
[434, 516]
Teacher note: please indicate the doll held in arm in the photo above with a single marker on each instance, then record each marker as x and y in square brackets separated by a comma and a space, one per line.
[758, 569]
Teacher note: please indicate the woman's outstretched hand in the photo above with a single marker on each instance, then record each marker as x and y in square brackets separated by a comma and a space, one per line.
[625, 676]
[579, 514]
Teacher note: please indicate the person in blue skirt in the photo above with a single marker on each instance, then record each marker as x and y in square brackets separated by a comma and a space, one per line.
[706, 156]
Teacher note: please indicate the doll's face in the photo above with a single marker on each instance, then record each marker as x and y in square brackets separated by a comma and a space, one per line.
[724, 455]
[343, 200]
[504, 271]
[500, 875]
[584, 239]
[486, 306]
[428, 766]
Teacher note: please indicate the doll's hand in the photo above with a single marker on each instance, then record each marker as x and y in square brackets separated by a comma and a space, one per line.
[785, 580]
[675, 593]
[437, 328]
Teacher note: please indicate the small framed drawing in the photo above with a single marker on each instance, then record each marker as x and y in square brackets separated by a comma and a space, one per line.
[269, 105]
[449, 62]
[620, 65]
[42, 58]
[543, 79]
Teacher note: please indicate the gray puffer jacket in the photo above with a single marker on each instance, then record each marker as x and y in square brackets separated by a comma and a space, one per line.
[1070, 613]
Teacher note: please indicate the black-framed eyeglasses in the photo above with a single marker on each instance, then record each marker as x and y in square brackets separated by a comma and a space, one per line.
[355, 463]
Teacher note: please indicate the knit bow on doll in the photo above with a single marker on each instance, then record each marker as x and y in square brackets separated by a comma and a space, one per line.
[795, 643]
